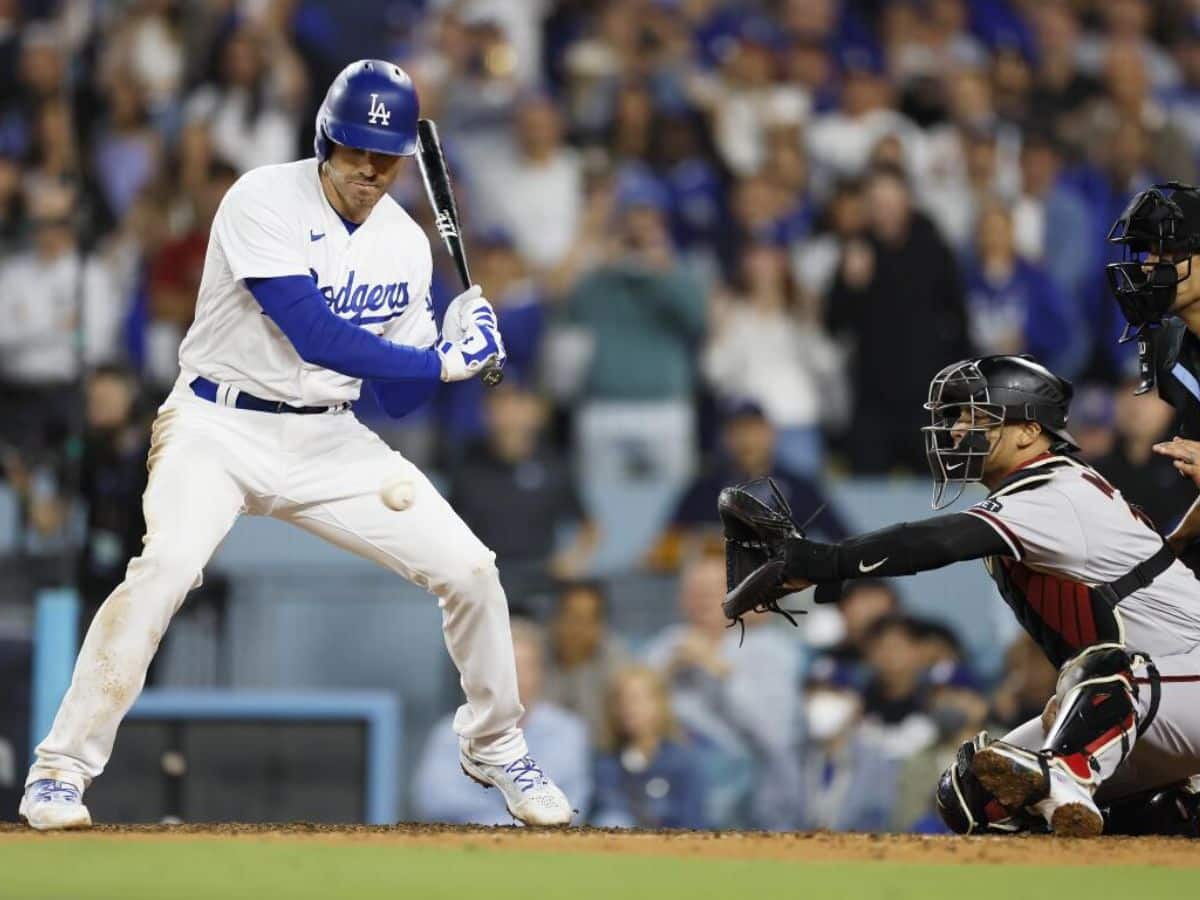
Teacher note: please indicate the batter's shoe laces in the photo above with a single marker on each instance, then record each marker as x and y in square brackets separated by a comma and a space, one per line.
[531, 797]
[50, 805]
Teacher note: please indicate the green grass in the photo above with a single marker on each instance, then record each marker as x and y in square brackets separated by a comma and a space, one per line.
[116, 869]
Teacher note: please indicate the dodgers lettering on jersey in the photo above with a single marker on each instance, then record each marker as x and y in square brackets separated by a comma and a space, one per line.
[275, 221]
[364, 304]
[1069, 530]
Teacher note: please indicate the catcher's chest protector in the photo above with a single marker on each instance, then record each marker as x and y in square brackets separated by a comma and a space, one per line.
[1084, 566]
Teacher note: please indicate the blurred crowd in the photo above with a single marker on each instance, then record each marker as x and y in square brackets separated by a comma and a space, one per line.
[724, 240]
[846, 728]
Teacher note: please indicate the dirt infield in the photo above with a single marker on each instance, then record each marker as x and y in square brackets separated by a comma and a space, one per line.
[815, 846]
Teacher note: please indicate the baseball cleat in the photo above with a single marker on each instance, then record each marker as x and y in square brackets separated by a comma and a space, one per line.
[1014, 776]
[1078, 819]
[1020, 778]
[50, 805]
[530, 796]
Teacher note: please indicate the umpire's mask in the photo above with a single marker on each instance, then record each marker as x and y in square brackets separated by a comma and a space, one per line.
[957, 441]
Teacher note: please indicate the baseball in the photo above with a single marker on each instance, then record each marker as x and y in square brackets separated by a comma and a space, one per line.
[398, 495]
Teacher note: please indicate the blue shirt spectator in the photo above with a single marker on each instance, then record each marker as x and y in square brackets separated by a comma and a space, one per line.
[1013, 306]
[648, 779]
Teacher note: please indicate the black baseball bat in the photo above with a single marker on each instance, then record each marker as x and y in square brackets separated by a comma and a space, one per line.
[441, 197]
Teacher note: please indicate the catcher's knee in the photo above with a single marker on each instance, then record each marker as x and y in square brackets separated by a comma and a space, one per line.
[1097, 710]
[964, 804]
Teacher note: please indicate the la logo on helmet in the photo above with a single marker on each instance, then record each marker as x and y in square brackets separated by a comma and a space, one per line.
[378, 113]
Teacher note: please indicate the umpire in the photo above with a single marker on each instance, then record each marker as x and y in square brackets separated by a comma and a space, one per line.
[1158, 289]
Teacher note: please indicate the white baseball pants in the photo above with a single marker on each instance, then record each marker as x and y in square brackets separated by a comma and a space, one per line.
[324, 473]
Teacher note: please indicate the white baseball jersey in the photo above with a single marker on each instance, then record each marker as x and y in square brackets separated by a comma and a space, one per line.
[276, 221]
[1069, 530]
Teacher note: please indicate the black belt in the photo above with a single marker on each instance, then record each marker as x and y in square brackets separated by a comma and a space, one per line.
[1138, 577]
[223, 394]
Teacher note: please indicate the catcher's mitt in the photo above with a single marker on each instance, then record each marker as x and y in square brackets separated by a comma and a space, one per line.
[758, 524]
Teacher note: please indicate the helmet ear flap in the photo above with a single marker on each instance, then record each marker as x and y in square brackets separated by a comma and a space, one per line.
[321, 141]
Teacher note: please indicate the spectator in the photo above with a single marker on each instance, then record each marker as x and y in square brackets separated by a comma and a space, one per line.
[1144, 479]
[1128, 24]
[52, 298]
[250, 104]
[127, 153]
[1093, 419]
[646, 315]
[174, 280]
[1061, 88]
[898, 300]
[584, 655]
[893, 700]
[515, 463]
[1012, 305]
[112, 480]
[815, 260]
[749, 452]
[146, 51]
[739, 702]
[968, 159]
[1048, 206]
[958, 708]
[1128, 98]
[650, 778]
[1182, 102]
[937, 644]
[767, 346]
[848, 781]
[442, 794]
[1028, 682]
[533, 190]
[840, 141]
[864, 602]
[744, 99]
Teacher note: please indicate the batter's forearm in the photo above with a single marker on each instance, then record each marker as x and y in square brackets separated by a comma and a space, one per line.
[323, 339]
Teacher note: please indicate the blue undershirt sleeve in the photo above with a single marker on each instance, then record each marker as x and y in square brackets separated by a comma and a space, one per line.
[323, 339]
[399, 398]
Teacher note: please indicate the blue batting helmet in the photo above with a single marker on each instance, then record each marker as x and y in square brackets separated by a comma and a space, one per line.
[371, 105]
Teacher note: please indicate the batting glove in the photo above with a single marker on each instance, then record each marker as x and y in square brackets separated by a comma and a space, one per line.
[479, 348]
[459, 314]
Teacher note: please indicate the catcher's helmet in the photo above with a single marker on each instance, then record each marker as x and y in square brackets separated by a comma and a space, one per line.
[990, 390]
[371, 105]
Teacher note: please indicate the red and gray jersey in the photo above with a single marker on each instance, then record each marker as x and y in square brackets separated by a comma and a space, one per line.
[1068, 531]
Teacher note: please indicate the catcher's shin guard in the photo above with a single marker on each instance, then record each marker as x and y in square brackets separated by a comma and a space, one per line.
[966, 806]
[1096, 722]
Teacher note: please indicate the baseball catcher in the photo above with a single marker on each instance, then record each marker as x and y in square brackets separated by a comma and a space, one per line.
[1085, 573]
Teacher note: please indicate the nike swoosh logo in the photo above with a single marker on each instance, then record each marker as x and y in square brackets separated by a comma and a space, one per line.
[873, 566]
[953, 467]
[313, 236]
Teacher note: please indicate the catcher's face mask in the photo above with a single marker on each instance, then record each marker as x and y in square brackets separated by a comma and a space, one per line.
[1154, 233]
[962, 430]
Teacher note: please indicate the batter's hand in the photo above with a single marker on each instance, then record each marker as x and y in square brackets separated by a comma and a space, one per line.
[458, 313]
[480, 348]
[1185, 454]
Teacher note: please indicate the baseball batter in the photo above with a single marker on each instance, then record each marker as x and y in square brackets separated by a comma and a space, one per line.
[314, 282]
[1085, 574]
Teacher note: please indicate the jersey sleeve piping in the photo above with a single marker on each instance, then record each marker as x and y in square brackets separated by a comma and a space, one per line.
[1006, 533]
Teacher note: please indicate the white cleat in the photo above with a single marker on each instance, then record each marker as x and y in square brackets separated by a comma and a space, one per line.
[50, 805]
[530, 796]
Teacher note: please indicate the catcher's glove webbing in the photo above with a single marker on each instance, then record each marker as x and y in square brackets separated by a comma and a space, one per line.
[758, 524]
